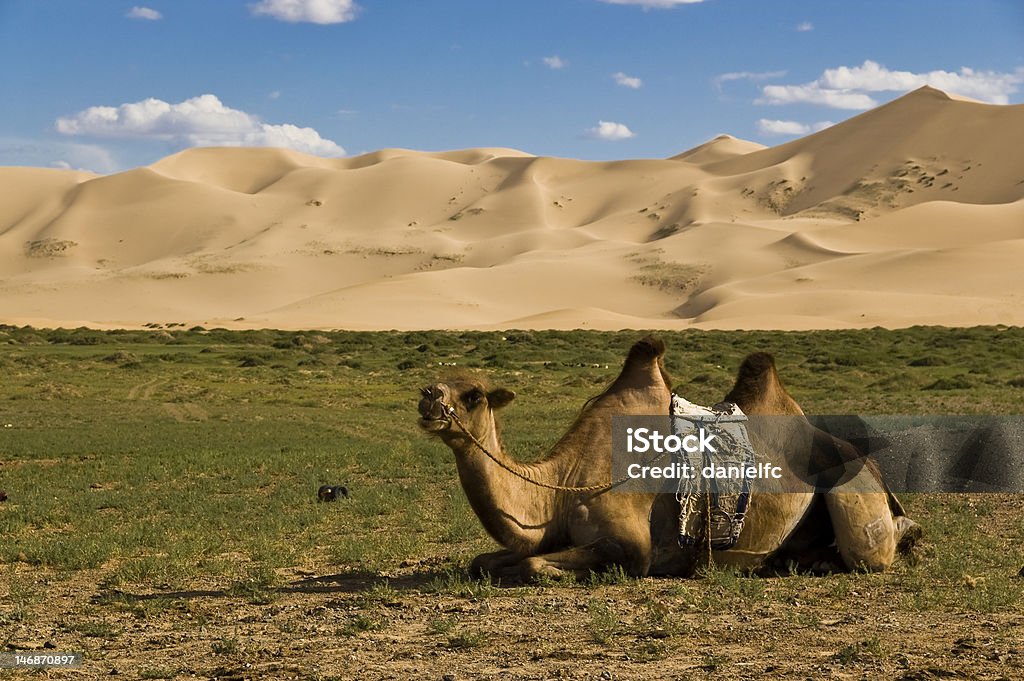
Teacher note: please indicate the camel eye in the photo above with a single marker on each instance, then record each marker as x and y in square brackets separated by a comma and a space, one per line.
[473, 397]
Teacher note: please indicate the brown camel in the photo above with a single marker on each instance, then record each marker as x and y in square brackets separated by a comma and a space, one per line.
[548, 532]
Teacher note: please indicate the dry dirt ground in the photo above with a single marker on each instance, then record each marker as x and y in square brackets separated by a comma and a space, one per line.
[352, 626]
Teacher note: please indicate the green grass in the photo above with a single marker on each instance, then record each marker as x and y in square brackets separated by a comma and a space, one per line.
[226, 645]
[604, 622]
[467, 639]
[94, 629]
[441, 625]
[171, 457]
[358, 625]
[456, 584]
[259, 587]
[860, 651]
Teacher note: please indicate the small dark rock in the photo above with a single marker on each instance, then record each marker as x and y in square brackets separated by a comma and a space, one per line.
[3, 495]
[1021, 573]
[49, 645]
[332, 492]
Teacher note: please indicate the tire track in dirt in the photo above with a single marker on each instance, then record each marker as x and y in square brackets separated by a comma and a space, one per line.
[151, 388]
[144, 391]
[181, 412]
[185, 412]
[195, 411]
[175, 411]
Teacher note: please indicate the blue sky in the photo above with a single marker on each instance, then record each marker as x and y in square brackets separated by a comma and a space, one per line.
[107, 85]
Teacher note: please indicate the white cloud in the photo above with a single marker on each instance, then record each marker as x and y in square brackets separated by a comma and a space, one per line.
[41, 153]
[813, 93]
[610, 131]
[805, 26]
[771, 127]
[988, 86]
[745, 75]
[61, 164]
[653, 4]
[276, 94]
[555, 62]
[847, 87]
[307, 11]
[627, 81]
[775, 127]
[144, 13]
[200, 121]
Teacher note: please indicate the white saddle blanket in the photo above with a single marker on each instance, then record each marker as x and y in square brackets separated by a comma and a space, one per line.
[711, 511]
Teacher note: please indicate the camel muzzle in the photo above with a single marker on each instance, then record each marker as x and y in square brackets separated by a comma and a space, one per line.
[433, 408]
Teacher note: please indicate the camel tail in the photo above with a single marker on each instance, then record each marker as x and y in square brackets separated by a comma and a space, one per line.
[894, 504]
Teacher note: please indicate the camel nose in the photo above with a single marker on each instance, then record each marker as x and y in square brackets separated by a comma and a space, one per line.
[432, 404]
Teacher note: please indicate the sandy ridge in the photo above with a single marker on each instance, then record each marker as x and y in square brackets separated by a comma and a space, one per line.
[912, 213]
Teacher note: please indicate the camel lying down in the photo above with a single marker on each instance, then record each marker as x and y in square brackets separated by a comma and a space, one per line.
[549, 531]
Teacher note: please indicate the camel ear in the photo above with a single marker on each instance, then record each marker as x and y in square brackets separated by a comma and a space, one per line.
[500, 397]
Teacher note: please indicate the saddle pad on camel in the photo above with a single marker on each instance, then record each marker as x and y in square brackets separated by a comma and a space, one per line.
[712, 509]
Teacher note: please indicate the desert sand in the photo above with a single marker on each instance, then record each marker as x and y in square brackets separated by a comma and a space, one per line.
[912, 213]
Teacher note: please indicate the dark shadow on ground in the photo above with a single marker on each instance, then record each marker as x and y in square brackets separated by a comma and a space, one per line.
[345, 582]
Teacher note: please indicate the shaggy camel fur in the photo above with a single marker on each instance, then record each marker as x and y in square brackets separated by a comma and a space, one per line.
[549, 532]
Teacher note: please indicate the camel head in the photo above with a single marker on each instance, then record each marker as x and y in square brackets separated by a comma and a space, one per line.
[443, 406]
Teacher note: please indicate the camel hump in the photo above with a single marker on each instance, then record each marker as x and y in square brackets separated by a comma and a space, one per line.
[644, 357]
[646, 349]
[755, 366]
[758, 387]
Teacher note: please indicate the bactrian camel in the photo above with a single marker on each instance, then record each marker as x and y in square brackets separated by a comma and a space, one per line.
[549, 532]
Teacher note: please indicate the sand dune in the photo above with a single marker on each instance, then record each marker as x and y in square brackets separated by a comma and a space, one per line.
[719, 149]
[912, 213]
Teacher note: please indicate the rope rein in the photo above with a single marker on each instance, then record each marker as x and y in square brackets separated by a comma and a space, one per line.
[450, 412]
[707, 531]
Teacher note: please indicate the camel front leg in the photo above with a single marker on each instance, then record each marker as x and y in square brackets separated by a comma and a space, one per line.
[582, 561]
[495, 564]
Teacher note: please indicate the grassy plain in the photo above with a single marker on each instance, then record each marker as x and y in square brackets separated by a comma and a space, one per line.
[162, 511]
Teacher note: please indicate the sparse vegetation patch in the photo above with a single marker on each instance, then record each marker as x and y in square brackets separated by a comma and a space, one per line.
[171, 510]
